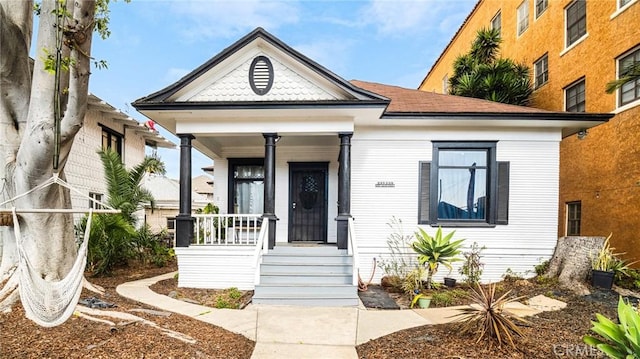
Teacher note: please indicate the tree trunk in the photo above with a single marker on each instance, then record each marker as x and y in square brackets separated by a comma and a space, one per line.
[571, 262]
[27, 128]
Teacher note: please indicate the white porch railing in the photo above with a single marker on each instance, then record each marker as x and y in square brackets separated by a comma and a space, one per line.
[262, 247]
[352, 250]
[227, 229]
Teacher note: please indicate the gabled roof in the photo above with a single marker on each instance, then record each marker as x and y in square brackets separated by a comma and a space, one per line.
[154, 101]
[408, 102]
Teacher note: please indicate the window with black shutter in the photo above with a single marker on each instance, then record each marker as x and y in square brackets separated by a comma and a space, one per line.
[464, 185]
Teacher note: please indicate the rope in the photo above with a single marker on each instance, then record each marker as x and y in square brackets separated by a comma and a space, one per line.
[55, 179]
[50, 303]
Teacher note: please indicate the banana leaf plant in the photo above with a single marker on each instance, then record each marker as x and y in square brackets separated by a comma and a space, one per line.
[436, 250]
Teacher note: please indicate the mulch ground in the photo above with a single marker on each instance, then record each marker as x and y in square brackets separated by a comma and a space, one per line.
[81, 338]
[555, 334]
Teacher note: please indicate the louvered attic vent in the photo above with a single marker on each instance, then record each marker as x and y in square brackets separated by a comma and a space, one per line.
[261, 75]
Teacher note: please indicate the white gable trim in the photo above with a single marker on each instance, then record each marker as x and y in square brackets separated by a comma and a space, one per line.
[232, 74]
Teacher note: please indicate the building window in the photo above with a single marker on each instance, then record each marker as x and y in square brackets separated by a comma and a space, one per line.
[445, 84]
[246, 185]
[541, 71]
[630, 91]
[574, 97]
[576, 18]
[464, 185]
[622, 3]
[171, 223]
[111, 140]
[574, 213]
[541, 6]
[523, 17]
[496, 22]
[95, 198]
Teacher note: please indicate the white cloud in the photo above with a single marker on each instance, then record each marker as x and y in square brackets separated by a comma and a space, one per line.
[397, 18]
[333, 54]
[228, 19]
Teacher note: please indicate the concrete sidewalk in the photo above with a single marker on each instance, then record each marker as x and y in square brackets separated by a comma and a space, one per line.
[299, 332]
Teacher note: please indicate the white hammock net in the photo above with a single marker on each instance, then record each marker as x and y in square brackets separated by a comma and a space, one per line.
[45, 302]
[50, 303]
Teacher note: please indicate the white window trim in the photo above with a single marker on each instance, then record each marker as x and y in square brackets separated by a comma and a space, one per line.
[536, 16]
[633, 103]
[564, 92]
[524, 2]
[580, 40]
[626, 107]
[622, 9]
[499, 13]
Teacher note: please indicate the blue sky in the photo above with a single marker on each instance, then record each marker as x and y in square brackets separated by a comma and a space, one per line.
[154, 43]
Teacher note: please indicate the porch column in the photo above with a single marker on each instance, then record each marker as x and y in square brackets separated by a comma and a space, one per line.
[344, 190]
[184, 221]
[270, 185]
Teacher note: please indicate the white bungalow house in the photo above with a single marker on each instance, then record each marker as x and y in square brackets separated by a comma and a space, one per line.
[310, 168]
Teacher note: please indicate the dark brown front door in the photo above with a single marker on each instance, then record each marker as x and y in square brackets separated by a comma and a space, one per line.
[308, 201]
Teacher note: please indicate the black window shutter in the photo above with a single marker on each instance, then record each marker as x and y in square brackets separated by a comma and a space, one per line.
[502, 212]
[424, 182]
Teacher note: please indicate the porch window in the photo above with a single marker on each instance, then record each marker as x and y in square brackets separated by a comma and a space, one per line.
[464, 186]
[574, 214]
[246, 186]
[630, 91]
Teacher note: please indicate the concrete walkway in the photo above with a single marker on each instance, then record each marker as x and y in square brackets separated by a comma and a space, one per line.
[300, 332]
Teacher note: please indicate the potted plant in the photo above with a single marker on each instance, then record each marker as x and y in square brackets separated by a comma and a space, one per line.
[605, 266]
[413, 285]
[449, 282]
[436, 250]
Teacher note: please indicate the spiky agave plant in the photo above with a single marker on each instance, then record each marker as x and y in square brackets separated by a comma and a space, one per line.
[486, 316]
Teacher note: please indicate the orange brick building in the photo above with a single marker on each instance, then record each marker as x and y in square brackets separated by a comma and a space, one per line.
[574, 47]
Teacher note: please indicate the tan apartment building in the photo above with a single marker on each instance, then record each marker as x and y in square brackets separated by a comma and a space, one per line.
[574, 48]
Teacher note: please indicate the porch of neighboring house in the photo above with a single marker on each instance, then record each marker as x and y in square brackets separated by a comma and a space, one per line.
[292, 247]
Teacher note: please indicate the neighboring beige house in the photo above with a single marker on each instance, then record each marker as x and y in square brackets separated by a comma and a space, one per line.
[106, 127]
[203, 185]
[166, 192]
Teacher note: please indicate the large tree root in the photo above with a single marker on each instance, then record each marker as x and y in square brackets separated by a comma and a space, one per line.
[88, 313]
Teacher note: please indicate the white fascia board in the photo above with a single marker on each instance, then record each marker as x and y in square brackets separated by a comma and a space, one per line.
[246, 126]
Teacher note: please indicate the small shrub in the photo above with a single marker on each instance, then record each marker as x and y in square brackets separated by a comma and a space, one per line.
[620, 340]
[230, 298]
[511, 276]
[472, 267]
[436, 250]
[541, 268]
[486, 316]
[447, 298]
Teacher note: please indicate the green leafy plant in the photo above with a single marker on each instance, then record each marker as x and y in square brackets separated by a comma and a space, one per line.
[511, 276]
[472, 267]
[435, 251]
[413, 282]
[447, 297]
[487, 318]
[399, 261]
[541, 268]
[608, 261]
[620, 340]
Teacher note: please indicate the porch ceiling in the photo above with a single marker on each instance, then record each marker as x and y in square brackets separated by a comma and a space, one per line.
[214, 145]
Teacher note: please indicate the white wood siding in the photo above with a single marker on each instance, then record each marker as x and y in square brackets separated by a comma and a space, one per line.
[84, 169]
[394, 156]
[216, 267]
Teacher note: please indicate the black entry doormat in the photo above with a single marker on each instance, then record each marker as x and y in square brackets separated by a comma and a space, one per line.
[376, 297]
